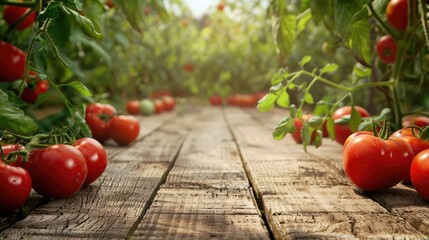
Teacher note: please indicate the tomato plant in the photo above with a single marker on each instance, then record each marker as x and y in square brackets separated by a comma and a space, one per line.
[124, 129]
[15, 187]
[386, 49]
[58, 171]
[375, 164]
[98, 117]
[13, 14]
[420, 174]
[95, 157]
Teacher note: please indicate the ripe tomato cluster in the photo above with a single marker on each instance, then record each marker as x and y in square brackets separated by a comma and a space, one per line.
[241, 100]
[397, 17]
[105, 124]
[57, 171]
[373, 163]
[147, 107]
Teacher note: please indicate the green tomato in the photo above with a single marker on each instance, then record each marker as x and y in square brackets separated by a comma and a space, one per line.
[147, 107]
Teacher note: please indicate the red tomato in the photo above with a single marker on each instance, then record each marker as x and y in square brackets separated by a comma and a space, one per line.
[15, 187]
[12, 62]
[386, 49]
[188, 67]
[247, 100]
[11, 14]
[58, 171]
[35, 87]
[397, 14]
[97, 116]
[147, 11]
[298, 126]
[343, 131]
[260, 95]
[95, 156]
[124, 129]
[232, 100]
[110, 3]
[420, 174]
[420, 121]
[374, 164]
[220, 6]
[11, 148]
[416, 143]
[159, 106]
[169, 103]
[133, 107]
[216, 100]
[355, 134]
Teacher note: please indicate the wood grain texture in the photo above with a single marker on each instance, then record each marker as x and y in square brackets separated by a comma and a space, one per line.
[207, 194]
[109, 207]
[302, 184]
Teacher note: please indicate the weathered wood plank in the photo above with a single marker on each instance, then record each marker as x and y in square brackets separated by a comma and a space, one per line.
[207, 194]
[307, 185]
[401, 200]
[110, 207]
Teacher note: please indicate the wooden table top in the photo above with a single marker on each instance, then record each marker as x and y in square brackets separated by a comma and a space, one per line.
[217, 173]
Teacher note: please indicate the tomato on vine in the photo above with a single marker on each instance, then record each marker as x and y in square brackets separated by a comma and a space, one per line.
[12, 14]
[15, 187]
[386, 49]
[35, 87]
[298, 123]
[397, 14]
[12, 62]
[95, 156]
[58, 171]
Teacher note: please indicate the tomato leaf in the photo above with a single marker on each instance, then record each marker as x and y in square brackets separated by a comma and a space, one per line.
[330, 127]
[86, 26]
[359, 40]
[308, 98]
[284, 32]
[13, 119]
[283, 127]
[355, 119]
[305, 135]
[362, 72]
[305, 60]
[79, 87]
[78, 4]
[52, 11]
[283, 100]
[318, 138]
[330, 67]
[267, 102]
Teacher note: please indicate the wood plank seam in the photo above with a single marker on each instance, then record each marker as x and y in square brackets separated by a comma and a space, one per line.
[257, 199]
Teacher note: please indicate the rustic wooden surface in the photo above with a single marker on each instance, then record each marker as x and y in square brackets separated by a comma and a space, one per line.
[216, 173]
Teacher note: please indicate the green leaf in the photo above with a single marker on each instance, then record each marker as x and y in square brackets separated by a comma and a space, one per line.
[276, 79]
[79, 87]
[276, 88]
[308, 98]
[346, 13]
[94, 10]
[305, 135]
[283, 127]
[60, 29]
[283, 100]
[355, 120]
[318, 138]
[284, 33]
[134, 11]
[362, 72]
[330, 67]
[305, 60]
[13, 119]
[358, 39]
[78, 4]
[86, 26]
[330, 127]
[267, 102]
[52, 11]
[303, 19]
[319, 8]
